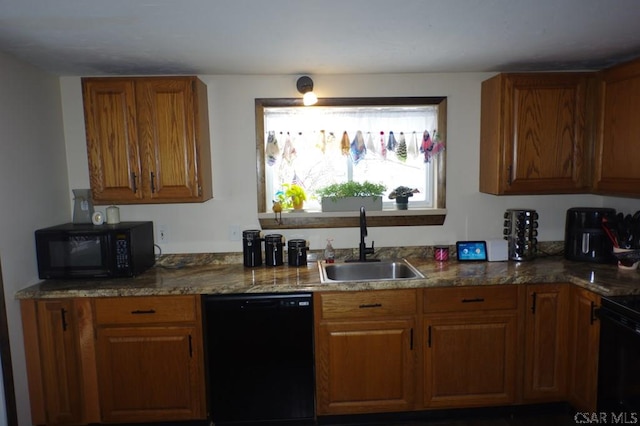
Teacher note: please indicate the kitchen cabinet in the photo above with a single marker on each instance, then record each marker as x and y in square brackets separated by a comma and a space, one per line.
[150, 359]
[147, 140]
[58, 352]
[585, 337]
[534, 137]
[470, 346]
[618, 136]
[365, 351]
[546, 342]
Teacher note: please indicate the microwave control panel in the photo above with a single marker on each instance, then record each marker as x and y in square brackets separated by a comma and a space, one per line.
[122, 253]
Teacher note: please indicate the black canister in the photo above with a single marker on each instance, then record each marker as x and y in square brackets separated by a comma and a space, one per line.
[273, 250]
[297, 253]
[252, 248]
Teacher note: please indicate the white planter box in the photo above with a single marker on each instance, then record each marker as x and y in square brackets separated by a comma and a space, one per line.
[349, 204]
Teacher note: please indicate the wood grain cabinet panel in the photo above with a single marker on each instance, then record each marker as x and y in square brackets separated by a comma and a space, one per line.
[60, 361]
[534, 137]
[147, 139]
[585, 337]
[365, 351]
[150, 359]
[546, 351]
[618, 140]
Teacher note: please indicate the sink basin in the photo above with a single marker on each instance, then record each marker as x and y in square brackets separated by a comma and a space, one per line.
[386, 270]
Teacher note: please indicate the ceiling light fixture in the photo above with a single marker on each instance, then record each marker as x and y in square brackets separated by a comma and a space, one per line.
[305, 86]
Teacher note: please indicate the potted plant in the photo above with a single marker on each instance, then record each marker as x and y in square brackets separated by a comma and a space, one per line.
[401, 194]
[350, 196]
[293, 197]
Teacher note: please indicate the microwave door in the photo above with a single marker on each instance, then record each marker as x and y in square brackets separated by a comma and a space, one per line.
[78, 255]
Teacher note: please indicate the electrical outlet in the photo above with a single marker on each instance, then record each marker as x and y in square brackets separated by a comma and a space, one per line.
[234, 233]
[163, 234]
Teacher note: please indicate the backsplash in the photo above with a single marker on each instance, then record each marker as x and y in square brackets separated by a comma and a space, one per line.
[545, 248]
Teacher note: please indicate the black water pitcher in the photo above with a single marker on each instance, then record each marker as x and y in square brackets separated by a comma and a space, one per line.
[252, 248]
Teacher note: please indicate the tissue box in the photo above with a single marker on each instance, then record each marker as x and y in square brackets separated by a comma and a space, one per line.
[497, 250]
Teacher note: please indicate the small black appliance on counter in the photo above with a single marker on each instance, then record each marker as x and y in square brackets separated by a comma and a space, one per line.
[76, 250]
[584, 238]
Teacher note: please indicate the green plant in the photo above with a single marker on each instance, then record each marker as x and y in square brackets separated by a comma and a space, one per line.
[292, 196]
[351, 189]
[403, 192]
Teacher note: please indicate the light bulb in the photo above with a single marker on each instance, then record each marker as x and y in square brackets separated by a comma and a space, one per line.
[309, 98]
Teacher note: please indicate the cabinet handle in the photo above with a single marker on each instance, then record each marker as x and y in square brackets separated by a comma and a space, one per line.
[63, 314]
[371, 305]
[509, 169]
[476, 300]
[190, 347]
[534, 297]
[133, 180]
[593, 317]
[153, 184]
[411, 339]
[142, 312]
[429, 337]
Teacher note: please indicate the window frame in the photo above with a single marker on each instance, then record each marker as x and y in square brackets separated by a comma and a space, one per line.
[411, 217]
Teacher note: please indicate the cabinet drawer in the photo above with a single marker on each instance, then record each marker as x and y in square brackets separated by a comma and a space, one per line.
[367, 304]
[477, 298]
[145, 310]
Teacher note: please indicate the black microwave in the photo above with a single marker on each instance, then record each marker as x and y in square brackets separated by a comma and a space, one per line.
[95, 251]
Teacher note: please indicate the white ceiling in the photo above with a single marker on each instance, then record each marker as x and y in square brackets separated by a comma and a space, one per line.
[126, 37]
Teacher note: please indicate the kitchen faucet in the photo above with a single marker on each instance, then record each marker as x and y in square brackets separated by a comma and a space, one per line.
[364, 250]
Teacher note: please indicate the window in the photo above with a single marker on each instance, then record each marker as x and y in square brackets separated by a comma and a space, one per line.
[343, 139]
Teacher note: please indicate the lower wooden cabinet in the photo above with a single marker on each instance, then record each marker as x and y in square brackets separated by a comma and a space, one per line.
[365, 351]
[470, 349]
[114, 360]
[150, 360]
[546, 350]
[585, 337]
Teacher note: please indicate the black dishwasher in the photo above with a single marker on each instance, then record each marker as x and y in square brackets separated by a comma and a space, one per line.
[260, 364]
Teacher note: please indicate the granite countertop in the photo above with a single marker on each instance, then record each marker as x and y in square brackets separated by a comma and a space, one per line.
[220, 278]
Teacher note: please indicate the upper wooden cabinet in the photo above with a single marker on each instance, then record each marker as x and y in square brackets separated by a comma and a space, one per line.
[618, 137]
[147, 140]
[533, 137]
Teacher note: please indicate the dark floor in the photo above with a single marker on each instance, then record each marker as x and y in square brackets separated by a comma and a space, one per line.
[555, 415]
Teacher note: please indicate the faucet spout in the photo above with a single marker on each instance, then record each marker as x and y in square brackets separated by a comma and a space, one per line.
[363, 249]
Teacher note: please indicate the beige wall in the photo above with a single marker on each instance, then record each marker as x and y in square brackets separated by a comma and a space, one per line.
[33, 188]
[205, 227]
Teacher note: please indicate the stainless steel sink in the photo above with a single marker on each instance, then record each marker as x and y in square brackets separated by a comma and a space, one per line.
[386, 270]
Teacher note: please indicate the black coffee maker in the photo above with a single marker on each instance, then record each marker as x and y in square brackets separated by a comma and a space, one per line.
[584, 238]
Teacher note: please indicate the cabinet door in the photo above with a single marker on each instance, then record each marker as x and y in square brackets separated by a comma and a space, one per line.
[618, 142]
[533, 137]
[149, 374]
[546, 342]
[365, 366]
[112, 140]
[53, 360]
[585, 338]
[470, 359]
[170, 138]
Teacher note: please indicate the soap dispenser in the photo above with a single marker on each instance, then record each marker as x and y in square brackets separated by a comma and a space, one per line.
[329, 252]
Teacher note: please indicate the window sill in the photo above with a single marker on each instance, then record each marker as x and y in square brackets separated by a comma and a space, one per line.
[317, 219]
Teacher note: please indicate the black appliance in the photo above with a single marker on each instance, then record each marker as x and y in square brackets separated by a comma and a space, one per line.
[260, 364]
[618, 366]
[584, 238]
[94, 251]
